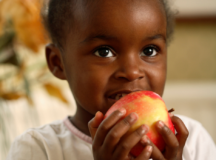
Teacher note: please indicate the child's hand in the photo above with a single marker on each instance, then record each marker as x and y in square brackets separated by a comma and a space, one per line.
[174, 143]
[108, 143]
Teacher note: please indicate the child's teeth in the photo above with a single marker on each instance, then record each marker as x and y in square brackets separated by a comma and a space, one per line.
[124, 94]
[118, 96]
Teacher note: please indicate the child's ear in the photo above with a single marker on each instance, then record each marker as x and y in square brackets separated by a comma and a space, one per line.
[54, 61]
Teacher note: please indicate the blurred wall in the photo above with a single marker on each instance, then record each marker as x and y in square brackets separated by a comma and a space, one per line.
[192, 53]
[191, 77]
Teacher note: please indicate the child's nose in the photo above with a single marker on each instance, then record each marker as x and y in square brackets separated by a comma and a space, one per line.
[130, 68]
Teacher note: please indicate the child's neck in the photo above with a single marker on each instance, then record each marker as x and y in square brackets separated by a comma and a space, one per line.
[80, 120]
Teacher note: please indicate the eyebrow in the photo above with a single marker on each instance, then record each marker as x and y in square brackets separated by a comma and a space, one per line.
[157, 36]
[108, 37]
[99, 36]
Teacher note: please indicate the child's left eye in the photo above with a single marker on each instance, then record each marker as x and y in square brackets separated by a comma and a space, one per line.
[104, 52]
[149, 52]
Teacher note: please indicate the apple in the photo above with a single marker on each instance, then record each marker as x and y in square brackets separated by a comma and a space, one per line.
[150, 108]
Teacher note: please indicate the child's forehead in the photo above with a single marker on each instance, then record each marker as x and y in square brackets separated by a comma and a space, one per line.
[63, 16]
[98, 6]
[104, 15]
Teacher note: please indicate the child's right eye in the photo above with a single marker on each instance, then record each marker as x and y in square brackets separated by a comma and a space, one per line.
[104, 52]
[150, 51]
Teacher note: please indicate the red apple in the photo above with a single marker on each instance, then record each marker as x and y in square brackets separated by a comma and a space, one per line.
[150, 108]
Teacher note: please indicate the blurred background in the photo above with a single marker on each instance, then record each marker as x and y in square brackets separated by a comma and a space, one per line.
[30, 96]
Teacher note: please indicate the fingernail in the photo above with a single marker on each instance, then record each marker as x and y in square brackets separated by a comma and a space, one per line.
[149, 148]
[122, 110]
[133, 117]
[160, 124]
[130, 157]
[97, 113]
[144, 129]
[145, 140]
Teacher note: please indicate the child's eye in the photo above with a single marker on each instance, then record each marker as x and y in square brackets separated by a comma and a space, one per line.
[104, 52]
[149, 52]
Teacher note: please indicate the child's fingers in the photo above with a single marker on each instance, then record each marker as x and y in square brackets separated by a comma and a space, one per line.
[106, 125]
[117, 132]
[94, 123]
[130, 157]
[146, 153]
[172, 144]
[127, 143]
[155, 152]
[182, 132]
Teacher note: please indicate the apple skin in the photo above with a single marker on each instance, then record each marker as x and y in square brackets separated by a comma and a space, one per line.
[150, 108]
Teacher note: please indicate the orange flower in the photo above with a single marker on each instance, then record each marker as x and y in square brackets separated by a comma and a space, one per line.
[25, 15]
[54, 91]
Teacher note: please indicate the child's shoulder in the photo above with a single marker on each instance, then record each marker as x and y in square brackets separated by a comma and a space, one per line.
[189, 122]
[49, 130]
[195, 128]
[54, 141]
[36, 142]
[199, 144]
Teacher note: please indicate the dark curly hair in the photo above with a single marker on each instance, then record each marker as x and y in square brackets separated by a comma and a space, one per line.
[58, 19]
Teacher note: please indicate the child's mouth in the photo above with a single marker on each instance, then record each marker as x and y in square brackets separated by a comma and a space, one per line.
[120, 95]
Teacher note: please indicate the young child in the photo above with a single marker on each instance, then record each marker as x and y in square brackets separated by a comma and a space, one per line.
[104, 49]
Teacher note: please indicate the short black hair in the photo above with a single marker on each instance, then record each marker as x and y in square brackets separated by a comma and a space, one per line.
[58, 19]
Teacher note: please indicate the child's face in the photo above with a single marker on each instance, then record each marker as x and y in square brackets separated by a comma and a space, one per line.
[116, 47]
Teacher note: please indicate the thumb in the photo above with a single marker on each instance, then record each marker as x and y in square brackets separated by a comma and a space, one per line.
[94, 123]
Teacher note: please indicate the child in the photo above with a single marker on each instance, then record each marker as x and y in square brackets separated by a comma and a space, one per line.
[104, 49]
